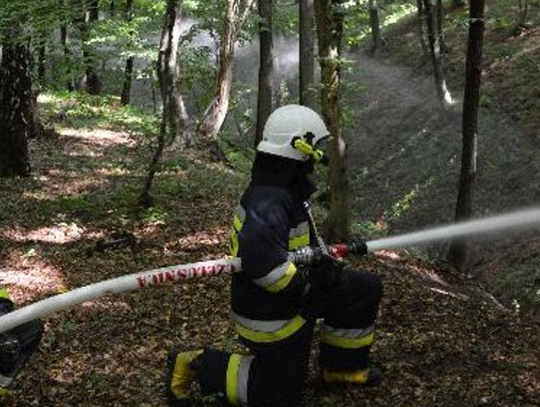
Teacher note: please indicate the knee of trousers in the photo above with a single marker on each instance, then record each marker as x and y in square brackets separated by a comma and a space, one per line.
[364, 284]
[29, 334]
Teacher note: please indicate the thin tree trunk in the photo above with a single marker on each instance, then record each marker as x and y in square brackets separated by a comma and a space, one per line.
[440, 23]
[266, 68]
[422, 26]
[374, 20]
[16, 115]
[128, 72]
[216, 111]
[523, 10]
[91, 79]
[443, 93]
[329, 19]
[307, 57]
[167, 72]
[67, 56]
[459, 253]
[41, 50]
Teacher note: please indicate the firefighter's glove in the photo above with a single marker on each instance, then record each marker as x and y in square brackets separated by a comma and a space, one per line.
[358, 246]
[325, 275]
[323, 278]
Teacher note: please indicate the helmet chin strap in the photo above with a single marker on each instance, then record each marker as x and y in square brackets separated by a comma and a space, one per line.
[307, 149]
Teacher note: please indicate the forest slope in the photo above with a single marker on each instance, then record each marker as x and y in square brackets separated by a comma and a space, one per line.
[405, 152]
[441, 341]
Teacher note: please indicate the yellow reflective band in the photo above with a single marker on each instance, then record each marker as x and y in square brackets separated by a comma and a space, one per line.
[264, 337]
[284, 280]
[233, 243]
[357, 376]
[4, 293]
[237, 223]
[299, 241]
[4, 392]
[232, 378]
[348, 343]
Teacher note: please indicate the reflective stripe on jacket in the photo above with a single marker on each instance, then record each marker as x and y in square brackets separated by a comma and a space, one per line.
[266, 295]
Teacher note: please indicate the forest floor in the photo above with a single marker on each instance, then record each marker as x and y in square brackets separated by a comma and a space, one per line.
[441, 341]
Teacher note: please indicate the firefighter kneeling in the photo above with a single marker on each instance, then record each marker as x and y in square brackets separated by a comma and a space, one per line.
[275, 302]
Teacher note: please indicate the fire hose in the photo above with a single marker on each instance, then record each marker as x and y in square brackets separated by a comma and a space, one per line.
[525, 219]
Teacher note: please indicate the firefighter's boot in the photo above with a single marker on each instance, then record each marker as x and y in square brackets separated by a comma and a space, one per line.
[367, 377]
[180, 376]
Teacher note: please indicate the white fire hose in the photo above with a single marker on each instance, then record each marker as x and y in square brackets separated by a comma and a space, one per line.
[523, 220]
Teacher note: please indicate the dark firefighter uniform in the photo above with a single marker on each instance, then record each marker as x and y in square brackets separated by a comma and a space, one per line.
[275, 303]
[16, 345]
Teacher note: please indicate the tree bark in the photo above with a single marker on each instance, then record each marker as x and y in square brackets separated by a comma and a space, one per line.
[90, 81]
[174, 116]
[329, 20]
[216, 111]
[374, 21]
[307, 57]
[422, 26]
[16, 115]
[440, 23]
[41, 50]
[443, 93]
[459, 253]
[266, 68]
[67, 56]
[128, 72]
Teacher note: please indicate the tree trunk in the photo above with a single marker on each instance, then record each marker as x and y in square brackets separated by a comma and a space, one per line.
[128, 72]
[266, 68]
[443, 94]
[521, 22]
[374, 21]
[459, 254]
[16, 115]
[422, 26]
[173, 114]
[307, 50]
[329, 19]
[216, 111]
[41, 51]
[67, 57]
[440, 23]
[91, 79]
[169, 77]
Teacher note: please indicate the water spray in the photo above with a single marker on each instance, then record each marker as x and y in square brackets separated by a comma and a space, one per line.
[522, 220]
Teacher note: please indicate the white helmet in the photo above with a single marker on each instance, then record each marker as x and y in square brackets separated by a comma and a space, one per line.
[295, 132]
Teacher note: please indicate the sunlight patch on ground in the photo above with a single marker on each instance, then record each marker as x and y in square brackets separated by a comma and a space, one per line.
[454, 295]
[386, 254]
[205, 238]
[100, 137]
[61, 233]
[59, 183]
[27, 277]
[107, 304]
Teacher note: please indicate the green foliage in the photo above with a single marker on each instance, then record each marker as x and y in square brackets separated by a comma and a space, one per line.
[520, 286]
[78, 109]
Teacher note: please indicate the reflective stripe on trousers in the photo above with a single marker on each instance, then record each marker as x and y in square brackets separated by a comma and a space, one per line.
[267, 331]
[237, 379]
[348, 338]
